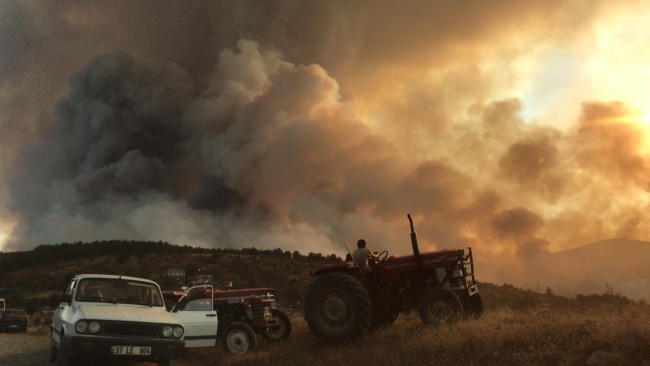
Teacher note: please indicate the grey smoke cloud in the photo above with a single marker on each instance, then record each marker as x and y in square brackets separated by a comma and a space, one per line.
[299, 124]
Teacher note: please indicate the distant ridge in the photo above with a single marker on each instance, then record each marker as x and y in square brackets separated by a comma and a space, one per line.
[621, 264]
[609, 244]
[610, 253]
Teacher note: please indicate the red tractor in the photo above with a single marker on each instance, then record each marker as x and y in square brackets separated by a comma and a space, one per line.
[241, 314]
[342, 304]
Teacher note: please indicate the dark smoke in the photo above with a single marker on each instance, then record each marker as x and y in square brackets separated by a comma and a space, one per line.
[300, 124]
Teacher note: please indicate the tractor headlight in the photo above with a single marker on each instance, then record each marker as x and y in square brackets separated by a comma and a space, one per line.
[267, 313]
[81, 326]
[94, 327]
[167, 331]
[178, 332]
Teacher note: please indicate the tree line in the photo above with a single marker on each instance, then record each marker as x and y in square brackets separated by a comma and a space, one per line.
[122, 250]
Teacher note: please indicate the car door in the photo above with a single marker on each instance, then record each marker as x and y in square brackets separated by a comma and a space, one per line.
[62, 313]
[195, 310]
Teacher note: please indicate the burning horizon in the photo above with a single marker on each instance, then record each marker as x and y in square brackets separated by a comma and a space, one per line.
[516, 128]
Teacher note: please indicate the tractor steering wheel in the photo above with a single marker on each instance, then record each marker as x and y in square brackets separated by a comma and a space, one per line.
[382, 257]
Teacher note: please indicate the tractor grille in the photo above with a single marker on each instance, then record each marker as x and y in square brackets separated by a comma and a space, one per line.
[132, 329]
[258, 311]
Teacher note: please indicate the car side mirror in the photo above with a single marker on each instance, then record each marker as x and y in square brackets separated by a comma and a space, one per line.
[67, 299]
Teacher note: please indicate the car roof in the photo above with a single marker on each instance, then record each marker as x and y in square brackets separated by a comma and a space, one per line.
[91, 275]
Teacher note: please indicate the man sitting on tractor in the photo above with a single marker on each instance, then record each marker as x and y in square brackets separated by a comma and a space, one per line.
[361, 256]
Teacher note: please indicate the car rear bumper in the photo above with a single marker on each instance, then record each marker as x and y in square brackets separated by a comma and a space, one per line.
[13, 327]
[98, 346]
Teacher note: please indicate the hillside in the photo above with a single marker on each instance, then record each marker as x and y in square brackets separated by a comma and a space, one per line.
[620, 264]
[32, 277]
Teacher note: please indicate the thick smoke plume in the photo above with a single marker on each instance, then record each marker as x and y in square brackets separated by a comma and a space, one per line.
[300, 124]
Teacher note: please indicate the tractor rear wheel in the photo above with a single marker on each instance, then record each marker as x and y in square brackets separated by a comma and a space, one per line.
[337, 308]
[239, 337]
[473, 306]
[282, 330]
[439, 306]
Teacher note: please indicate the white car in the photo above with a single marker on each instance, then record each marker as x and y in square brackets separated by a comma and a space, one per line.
[119, 318]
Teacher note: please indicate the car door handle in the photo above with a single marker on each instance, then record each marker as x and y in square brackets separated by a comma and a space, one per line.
[210, 314]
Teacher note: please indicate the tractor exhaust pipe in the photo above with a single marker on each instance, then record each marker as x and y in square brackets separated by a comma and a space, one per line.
[414, 243]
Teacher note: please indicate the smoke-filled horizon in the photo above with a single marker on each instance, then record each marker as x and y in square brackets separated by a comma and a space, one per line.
[512, 127]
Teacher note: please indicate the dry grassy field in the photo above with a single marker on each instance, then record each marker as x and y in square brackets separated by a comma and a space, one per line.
[548, 330]
[519, 327]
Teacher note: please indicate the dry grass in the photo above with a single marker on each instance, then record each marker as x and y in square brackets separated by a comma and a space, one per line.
[535, 336]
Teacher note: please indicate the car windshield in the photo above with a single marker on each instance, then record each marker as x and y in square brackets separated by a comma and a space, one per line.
[11, 313]
[118, 291]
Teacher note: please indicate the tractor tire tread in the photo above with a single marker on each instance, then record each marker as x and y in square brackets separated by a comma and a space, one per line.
[358, 296]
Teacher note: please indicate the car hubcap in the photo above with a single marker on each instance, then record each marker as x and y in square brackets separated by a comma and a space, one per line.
[237, 341]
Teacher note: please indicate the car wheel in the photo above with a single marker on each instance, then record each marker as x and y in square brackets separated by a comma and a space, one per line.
[53, 351]
[63, 358]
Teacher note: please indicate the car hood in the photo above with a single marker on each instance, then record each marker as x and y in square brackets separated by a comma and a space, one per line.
[121, 312]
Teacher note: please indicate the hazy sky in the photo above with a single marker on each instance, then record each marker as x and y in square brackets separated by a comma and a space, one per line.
[516, 127]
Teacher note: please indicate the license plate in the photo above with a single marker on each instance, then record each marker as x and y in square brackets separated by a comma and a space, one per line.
[13, 326]
[130, 350]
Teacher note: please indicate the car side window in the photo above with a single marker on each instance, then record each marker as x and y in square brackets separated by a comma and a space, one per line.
[157, 301]
[199, 305]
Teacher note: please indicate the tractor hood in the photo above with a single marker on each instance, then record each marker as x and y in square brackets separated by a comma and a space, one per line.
[252, 295]
[334, 267]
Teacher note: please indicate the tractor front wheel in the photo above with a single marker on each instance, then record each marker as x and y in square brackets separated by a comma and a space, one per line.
[239, 337]
[337, 308]
[439, 306]
[280, 331]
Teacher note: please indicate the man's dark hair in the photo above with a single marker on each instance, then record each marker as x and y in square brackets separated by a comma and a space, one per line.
[361, 243]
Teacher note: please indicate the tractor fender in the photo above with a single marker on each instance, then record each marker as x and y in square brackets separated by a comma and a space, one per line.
[343, 267]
